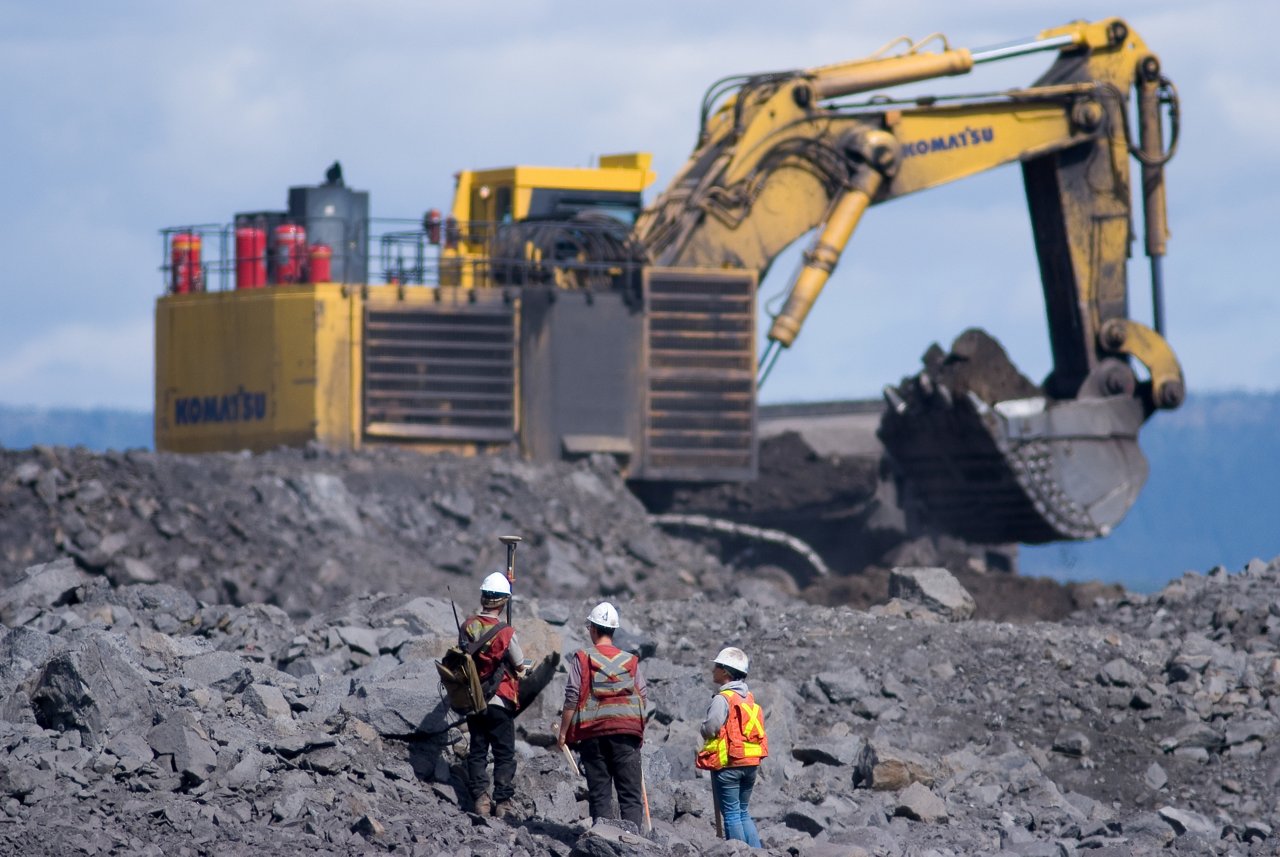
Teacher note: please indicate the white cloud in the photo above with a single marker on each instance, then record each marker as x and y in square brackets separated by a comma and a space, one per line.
[123, 118]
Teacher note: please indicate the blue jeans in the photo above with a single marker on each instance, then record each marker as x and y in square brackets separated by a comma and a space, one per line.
[731, 788]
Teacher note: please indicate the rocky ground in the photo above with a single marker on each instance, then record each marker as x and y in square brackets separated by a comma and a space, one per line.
[305, 529]
[226, 654]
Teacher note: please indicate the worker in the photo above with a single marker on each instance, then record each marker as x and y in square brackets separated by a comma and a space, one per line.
[495, 726]
[603, 719]
[736, 742]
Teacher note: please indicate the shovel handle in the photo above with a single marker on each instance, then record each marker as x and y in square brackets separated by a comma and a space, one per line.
[644, 793]
[573, 765]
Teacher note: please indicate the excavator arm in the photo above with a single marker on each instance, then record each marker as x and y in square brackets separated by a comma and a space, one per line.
[785, 154]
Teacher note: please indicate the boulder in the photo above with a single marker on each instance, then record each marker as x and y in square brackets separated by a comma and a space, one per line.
[425, 616]
[917, 802]
[126, 570]
[181, 736]
[22, 651]
[1184, 821]
[611, 839]
[266, 701]
[96, 687]
[361, 639]
[1120, 673]
[887, 768]
[402, 704]
[327, 500]
[843, 750]
[132, 751]
[843, 686]
[935, 588]
[1072, 742]
[40, 588]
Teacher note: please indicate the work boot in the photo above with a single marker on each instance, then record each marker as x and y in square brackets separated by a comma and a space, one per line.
[505, 809]
[483, 804]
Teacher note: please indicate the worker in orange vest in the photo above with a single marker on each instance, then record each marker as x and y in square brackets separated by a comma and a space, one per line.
[736, 742]
[603, 718]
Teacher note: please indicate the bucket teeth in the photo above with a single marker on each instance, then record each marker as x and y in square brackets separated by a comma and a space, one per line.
[1068, 471]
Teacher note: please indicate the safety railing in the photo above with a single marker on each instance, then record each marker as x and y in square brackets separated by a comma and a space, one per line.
[255, 253]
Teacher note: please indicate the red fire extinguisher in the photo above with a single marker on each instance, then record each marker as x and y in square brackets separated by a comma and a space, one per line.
[319, 259]
[251, 257]
[291, 252]
[186, 269]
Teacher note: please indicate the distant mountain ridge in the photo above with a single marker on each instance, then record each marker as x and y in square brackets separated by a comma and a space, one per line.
[94, 428]
[1213, 496]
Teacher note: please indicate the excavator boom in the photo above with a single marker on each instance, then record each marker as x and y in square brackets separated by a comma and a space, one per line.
[553, 313]
[785, 154]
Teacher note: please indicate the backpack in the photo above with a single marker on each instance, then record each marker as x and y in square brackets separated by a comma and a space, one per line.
[460, 674]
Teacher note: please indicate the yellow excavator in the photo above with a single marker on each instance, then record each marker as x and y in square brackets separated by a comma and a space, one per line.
[563, 317]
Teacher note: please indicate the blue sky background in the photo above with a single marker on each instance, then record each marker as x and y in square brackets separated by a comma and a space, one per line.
[120, 118]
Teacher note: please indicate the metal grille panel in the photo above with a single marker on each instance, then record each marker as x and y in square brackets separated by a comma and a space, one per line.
[700, 385]
[443, 371]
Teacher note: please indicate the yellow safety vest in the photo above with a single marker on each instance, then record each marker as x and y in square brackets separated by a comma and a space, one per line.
[742, 741]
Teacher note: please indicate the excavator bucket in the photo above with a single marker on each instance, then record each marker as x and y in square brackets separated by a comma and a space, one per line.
[980, 453]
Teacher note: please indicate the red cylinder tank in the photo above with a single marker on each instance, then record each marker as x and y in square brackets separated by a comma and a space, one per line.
[251, 257]
[319, 260]
[186, 270]
[291, 252]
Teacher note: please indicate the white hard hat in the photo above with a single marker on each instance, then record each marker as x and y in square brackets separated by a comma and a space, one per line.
[604, 614]
[733, 658]
[496, 583]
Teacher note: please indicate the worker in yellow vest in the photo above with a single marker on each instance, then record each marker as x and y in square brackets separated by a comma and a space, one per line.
[736, 742]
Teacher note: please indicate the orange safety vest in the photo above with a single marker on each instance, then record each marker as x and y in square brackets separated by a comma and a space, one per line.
[490, 658]
[608, 702]
[742, 741]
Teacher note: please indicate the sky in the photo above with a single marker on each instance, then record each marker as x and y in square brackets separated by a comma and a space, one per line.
[125, 117]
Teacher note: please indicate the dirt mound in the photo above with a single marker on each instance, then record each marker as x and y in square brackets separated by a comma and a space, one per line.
[305, 529]
[1000, 597]
[976, 363]
[795, 484]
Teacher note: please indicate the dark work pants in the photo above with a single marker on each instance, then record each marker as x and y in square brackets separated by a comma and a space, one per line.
[494, 728]
[613, 762]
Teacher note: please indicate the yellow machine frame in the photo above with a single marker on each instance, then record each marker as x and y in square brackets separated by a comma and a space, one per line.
[282, 366]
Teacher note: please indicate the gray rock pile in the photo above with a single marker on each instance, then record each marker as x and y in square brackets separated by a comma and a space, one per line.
[156, 717]
[140, 718]
[305, 529]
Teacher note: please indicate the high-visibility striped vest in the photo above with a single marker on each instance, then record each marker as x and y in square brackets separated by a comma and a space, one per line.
[742, 741]
[608, 702]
